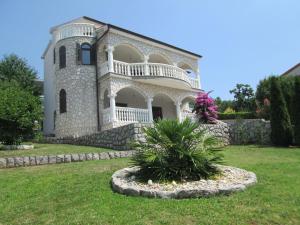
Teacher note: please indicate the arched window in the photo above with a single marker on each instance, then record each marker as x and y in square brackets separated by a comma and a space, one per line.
[62, 57]
[62, 101]
[86, 54]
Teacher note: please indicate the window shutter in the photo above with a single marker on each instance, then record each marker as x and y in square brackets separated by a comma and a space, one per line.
[78, 54]
[93, 54]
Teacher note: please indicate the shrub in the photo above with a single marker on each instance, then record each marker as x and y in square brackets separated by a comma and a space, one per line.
[205, 107]
[19, 110]
[176, 151]
[229, 110]
[237, 115]
[297, 111]
[281, 128]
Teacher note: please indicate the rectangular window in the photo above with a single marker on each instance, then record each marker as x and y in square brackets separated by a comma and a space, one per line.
[86, 57]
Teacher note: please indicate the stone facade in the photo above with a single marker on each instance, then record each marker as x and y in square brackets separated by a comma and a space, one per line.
[82, 116]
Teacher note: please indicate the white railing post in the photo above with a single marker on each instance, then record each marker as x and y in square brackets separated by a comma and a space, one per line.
[149, 105]
[112, 101]
[178, 110]
[110, 50]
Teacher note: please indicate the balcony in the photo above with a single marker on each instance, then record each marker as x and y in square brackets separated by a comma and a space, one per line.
[74, 30]
[151, 70]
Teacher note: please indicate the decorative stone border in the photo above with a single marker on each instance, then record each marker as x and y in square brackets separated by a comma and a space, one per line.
[233, 180]
[17, 147]
[11, 162]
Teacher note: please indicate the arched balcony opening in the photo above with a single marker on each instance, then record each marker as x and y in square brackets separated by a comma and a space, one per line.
[163, 107]
[187, 106]
[158, 58]
[128, 54]
[188, 69]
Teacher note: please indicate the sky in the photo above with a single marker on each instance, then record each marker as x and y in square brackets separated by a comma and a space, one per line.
[241, 41]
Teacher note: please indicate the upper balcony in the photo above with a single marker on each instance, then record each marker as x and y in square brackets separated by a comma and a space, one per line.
[153, 69]
[74, 30]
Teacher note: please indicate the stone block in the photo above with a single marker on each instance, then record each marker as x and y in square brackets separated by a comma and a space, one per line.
[52, 159]
[26, 161]
[82, 157]
[104, 155]
[96, 156]
[19, 161]
[2, 163]
[42, 160]
[89, 156]
[60, 158]
[68, 158]
[74, 157]
[10, 162]
[32, 160]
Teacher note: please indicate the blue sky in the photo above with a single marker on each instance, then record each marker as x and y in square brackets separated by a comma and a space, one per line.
[241, 41]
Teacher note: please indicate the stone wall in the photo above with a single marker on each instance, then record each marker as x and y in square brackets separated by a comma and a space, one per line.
[117, 138]
[249, 131]
[255, 131]
[19, 161]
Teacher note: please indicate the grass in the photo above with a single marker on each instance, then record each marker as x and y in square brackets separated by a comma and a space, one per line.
[52, 149]
[80, 193]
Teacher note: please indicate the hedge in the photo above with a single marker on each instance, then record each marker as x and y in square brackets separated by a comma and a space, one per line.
[237, 115]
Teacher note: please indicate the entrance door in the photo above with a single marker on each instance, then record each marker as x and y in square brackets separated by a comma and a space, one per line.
[157, 113]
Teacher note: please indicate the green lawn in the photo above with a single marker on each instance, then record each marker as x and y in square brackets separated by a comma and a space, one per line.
[80, 193]
[52, 149]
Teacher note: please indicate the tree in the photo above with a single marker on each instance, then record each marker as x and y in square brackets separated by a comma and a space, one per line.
[243, 97]
[263, 93]
[281, 128]
[19, 111]
[223, 104]
[297, 111]
[16, 69]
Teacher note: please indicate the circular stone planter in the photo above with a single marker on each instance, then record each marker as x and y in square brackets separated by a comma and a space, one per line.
[232, 180]
[17, 147]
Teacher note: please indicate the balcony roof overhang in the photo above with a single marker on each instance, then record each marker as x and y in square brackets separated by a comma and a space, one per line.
[142, 36]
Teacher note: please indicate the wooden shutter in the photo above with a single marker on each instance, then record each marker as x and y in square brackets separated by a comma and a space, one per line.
[78, 54]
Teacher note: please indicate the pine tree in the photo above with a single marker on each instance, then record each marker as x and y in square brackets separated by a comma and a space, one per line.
[281, 128]
[297, 110]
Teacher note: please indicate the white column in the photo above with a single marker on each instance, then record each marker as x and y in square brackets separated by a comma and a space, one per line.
[112, 101]
[178, 110]
[146, 58]
[149, 105]
[110, 50]
[198, 78]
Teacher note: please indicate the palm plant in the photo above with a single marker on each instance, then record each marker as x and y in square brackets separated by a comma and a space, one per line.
[176, 150]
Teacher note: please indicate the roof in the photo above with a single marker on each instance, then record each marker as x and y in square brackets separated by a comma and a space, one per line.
[290, 70]
[141, 36]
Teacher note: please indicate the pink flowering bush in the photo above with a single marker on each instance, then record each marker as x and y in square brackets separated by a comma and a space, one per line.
[205, 108]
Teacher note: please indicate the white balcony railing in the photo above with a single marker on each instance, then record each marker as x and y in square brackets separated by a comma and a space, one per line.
[75, 29]
[149, 70]
[126, 114]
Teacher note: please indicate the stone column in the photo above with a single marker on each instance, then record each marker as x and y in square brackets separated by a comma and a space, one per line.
[178, 110]
[112, 101]
[146, 58]
[110, 50]
[149, 105]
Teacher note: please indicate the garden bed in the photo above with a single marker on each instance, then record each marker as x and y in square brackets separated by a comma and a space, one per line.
[231, 180]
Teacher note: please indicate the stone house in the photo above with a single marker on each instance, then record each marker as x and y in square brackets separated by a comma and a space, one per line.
[98, 76]
[293, 71]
